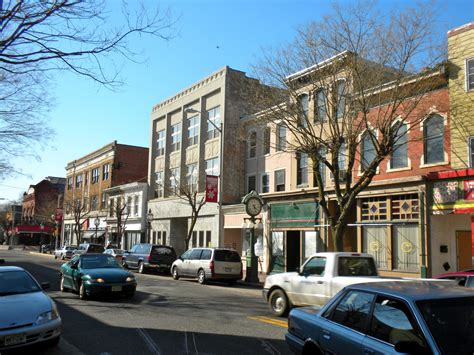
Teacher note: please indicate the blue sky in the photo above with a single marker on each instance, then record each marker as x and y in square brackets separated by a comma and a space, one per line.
[210, 35]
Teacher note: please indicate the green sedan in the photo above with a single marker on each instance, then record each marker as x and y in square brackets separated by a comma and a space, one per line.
[96, 274]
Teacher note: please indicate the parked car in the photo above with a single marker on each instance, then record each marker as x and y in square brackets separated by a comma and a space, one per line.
[65, 252]
[463, 278]
[46, 248]
[209, 264]
[27, 314]
[116, 253]
[145, 257]
[86, 248]
[96, 274]
[413, 317]
[317, 280]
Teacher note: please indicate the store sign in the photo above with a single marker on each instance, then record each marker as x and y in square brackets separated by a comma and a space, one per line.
[469, 189]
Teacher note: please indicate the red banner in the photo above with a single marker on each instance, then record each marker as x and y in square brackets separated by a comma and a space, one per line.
[469, 189]
[211, 188]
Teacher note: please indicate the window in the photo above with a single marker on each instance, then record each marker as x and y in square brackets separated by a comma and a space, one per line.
[405, 207]
[342, 156]
[78, 181]
[176, 137]
[303, 101]
[201, 238]
[251, 183]
[105, 172]
[302, 169]
[95, 176]
[69, 183]
[367, 150]
[341, 98]
[86, 178]
[393, 322]
[208, 238]
[252, 144]
[433, 136]
[374, 209]
[192, 177]
[266, 140]
[135, 205]
[399, 158]
[160, 143]
[281, 137]
[111, 207]
[213, 122]
[212, 167]
[159, 183]
[375, 242]
[322, 166]
[315, 266]
[471, 152]
[174, 179]
[353, 310]
[265, 183]
[193, 130]
[280, 180]
[361, 266]
[321, 111]
[206, 254]
[94, 203]
[194, 239]
[406, 252]
[470, 74]
[129, 205]
[103, 200]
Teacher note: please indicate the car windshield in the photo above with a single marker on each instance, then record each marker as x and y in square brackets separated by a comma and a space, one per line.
[71, 248]
[226, 255]
[95, 249]
[451, 322]
[99, 261]
[15, 282]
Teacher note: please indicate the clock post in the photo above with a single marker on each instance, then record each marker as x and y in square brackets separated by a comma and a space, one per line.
[253, 206]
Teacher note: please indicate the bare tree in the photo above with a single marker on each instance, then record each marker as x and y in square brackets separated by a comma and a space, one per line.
[362, 72]
[80, 211]
[42, 38]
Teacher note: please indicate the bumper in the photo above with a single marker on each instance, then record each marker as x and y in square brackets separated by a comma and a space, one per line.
[95, 289]
[296, 344]
[224, 277]
[265, 294]
[157, 267]
[34, 334]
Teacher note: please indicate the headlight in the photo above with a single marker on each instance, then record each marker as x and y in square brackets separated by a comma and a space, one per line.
[130, 279]
[47, 316]
[98, 280]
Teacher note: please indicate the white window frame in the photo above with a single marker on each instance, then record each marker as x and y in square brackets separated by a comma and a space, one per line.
[262, 185]
[466, 67]
[176, 137]
[95, 175]
[281, 143]
[422, 129]
[193, 130]
[252, 144]
[214, 122]
[159, 180]
[248, 181]
[105, 171]
[276, 181]
[192, 176]
[175, 178]
[214, 169]
[161, 143]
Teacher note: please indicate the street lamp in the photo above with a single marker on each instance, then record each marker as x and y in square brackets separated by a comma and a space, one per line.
[149, 218]
[96, 223]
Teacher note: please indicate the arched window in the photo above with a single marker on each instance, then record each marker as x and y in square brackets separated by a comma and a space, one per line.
[367, 149]
[399, 158]
[252, 144]
[433, 137]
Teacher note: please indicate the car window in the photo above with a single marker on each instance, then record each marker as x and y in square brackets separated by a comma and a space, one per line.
[393, 322]
[206, 254]
[187, 254]
[470, 281]
[226, 255]
[71, 248]
[162, 250]
[315, 266]
[93, 248]
[353, 310]
[74, 260]
[196, 254]
[99, 261]
[356, 266]
[117, 251]
[15, 282]
[451, 323]
[108, 251]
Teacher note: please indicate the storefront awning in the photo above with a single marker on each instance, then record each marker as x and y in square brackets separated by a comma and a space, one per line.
[294, 214]
[34, 229]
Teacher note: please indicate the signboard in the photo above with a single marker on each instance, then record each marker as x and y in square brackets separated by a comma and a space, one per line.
[469, 189]
[212, 183]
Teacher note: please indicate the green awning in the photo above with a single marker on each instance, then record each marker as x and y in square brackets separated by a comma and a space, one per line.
[294, 214]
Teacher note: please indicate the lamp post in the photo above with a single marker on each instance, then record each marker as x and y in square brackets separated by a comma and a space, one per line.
[96, 223]
[253, 206]
[149, 218]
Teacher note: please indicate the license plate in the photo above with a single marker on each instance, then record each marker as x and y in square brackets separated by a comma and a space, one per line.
[116, 288]
[15, 339]
[228, 269]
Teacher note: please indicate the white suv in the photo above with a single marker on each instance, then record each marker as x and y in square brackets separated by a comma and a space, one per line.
[209, 264]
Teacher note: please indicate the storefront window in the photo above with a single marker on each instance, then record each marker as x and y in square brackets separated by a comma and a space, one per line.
[375, 242]
[312, 243]
[406, 247]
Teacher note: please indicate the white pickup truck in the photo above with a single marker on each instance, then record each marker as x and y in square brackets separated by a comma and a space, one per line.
[318, 280]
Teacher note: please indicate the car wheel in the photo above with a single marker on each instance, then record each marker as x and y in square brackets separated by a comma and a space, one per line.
[201, 277]
[174, 273]
[278, 303]
[124, 264]
[141, 268]
[82, 292]
[63, 257]
[61, 284]
[55, 256]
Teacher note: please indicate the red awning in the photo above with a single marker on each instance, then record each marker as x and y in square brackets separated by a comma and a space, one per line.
[450, 174]
[34, 228]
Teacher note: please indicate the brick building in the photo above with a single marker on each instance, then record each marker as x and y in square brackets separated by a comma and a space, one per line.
[87, 178]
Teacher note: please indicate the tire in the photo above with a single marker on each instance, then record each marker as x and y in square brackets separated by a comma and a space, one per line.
[174, 273]
[82, 292]
[61, 284]
[55, 256]
[124, 264]
[141, 268]
[201, 277]
[63, 257]
[278, 303]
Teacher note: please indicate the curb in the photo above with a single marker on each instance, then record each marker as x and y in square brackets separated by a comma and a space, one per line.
[41, 254]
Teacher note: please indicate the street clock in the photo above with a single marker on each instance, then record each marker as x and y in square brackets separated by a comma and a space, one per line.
[253, 204]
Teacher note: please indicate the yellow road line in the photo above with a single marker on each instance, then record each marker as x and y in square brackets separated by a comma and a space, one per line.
[280, 323]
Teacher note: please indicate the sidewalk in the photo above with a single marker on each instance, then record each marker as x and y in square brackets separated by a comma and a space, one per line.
[261, 276]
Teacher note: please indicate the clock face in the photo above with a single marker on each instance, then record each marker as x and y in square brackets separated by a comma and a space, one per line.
[254, 206]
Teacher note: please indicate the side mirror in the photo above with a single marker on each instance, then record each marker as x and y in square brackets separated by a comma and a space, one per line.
[45, 285]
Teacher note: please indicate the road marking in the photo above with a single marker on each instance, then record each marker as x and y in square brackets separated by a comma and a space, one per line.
[152, 346]
[273, 321]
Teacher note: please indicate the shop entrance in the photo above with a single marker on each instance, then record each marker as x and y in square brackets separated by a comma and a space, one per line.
[293, 250]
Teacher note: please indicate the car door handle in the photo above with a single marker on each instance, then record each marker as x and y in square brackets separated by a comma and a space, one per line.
[326, 334]
[368, 351]
[320, 282]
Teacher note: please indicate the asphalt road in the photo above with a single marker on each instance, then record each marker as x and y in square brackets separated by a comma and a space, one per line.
[164, 317]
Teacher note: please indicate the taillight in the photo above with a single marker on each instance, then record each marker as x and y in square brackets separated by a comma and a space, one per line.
[211, 266]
